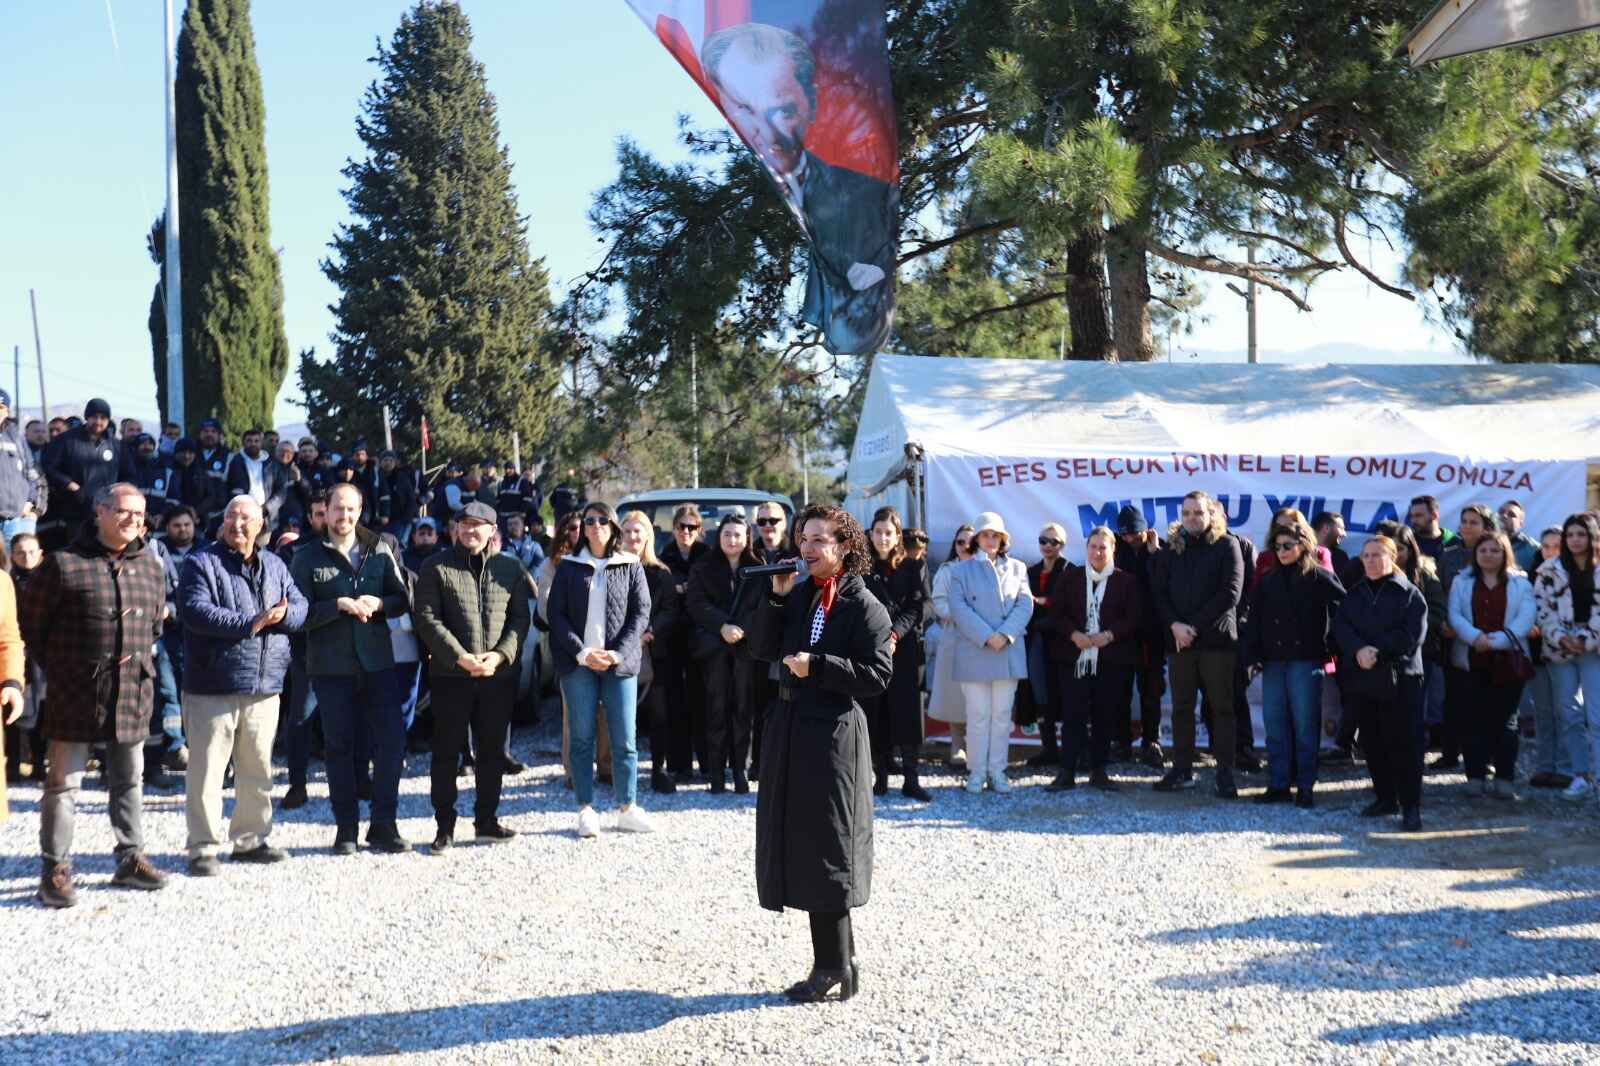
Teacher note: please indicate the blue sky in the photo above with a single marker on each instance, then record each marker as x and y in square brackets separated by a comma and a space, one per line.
[83, 175]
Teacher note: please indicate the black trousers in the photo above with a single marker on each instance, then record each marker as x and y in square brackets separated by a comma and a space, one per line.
[1489, 726]
[1244, 740]
[1193, 670]
[1149, 682]
[484, 704]
[1089, 708]
[730, 705]
[657, 718]
[1452, 729]
[1391, 735]
[832, 940]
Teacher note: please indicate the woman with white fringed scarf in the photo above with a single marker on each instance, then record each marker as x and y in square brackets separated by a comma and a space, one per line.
[1093, 621]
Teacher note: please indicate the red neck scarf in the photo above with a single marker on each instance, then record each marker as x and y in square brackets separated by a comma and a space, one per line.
[827, 591]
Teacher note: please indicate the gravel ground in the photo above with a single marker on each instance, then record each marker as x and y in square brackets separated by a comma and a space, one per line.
[1003, 929]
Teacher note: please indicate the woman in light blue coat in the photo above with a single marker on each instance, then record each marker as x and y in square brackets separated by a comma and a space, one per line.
[990, 605]
[1491, 611]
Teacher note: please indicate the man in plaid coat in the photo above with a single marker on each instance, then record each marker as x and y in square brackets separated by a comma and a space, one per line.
[91, 615]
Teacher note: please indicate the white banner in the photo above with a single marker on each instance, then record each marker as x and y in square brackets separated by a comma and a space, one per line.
[1083, 489]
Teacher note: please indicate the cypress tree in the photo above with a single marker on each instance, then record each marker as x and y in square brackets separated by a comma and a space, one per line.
[442, 312]
[235, 354]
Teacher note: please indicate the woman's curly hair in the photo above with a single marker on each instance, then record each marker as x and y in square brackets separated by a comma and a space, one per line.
[846, 532]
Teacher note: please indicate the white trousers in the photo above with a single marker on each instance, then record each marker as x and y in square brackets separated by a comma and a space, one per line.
[988, 726]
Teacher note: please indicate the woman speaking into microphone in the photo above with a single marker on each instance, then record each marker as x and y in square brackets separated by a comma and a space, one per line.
[814, 807]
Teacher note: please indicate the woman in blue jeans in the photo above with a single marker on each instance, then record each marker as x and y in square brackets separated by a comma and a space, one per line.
[598, 612]
[1569, 619]
[1287, 641]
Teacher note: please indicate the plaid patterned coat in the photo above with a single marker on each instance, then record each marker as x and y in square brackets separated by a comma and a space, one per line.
[92, 619]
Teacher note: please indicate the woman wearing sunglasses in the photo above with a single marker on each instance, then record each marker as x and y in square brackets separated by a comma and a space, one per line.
[685, 684]
[1292, 606]
[599, 611]
[568, 536]
[1041, 685]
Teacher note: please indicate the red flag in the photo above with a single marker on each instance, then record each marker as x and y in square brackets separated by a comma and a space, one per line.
[425, 433]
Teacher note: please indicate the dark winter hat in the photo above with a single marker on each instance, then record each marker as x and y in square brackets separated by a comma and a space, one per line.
[96, 406]
[388, 453]
[1131, 520]
[5, 398]
[487, 462]
[142, 439]
[426, 521]
[453, 464]
[211, 423]
[185, 444]
[477, 512]
[358, 445]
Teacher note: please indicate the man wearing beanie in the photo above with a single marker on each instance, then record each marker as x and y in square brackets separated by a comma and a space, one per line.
[19, 479]
[78, 464]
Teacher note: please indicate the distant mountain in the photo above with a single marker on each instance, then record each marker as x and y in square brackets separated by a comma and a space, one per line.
[1327, 353]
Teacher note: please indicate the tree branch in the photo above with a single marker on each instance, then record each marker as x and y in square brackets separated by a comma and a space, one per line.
[928, 247]
[1211, 264]
[1266, 134]
[1344, 249]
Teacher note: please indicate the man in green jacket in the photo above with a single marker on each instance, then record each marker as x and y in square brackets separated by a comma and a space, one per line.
[354, 587]
[472, 613]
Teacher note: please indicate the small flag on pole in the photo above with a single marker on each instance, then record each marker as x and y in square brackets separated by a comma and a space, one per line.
[425, 444]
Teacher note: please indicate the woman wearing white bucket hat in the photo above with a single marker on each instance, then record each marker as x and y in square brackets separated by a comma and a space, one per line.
[990, 605]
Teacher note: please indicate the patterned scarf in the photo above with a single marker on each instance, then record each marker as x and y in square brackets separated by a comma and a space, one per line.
[1095, 584]
[827, 591]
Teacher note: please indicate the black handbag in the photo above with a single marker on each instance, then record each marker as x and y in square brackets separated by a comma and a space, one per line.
[1382, 682]
[1511, 666]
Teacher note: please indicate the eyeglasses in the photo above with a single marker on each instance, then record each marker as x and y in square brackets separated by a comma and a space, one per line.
[595, 520]
[124, 514]
[964, 542]
[765, 522]
[1049, 542]
[684, 527]
[1287, 545]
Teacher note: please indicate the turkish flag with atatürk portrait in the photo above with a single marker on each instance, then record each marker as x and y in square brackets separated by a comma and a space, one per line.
[805, 84]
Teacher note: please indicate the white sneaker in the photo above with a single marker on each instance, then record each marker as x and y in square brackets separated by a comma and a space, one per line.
[588, 822]
[999, 782]
[958, 759]
[634, 820]
[1578, 791]
[975, 784]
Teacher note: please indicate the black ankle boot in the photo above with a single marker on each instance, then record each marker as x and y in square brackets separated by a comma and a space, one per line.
[820, 984]
[912, 789]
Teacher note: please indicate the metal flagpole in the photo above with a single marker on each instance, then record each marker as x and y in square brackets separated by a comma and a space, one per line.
[516, 451]
[694, 407]
[16, 369]
[388, 431]
[172, 273]
[44, 404]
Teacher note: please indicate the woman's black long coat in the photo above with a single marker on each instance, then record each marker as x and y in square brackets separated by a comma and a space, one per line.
[814, 808]
[906, 594]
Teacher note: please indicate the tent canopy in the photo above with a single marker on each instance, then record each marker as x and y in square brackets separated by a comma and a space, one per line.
[1002, 405]
[1460, 27]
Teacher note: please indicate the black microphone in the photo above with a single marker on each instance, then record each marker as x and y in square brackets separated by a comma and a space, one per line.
[788, 566]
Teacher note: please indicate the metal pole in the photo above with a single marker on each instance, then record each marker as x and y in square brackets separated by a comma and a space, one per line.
[1250, 300]
[388, 431]
[805, 471]
[694, 406]
[516, 450]
[172, 273]
[44, 404]
[16, 369]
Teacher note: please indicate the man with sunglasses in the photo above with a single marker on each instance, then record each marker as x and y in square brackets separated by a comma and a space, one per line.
[91, 616]
[774, 546]
[687, 715]
[1041, 576]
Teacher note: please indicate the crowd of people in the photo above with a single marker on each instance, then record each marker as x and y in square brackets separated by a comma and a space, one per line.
[188, 608]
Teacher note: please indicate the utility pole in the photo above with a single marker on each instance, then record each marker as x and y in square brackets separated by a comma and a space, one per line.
[805, 470]
[16, 370]
[1250, 300]
[38, 351]
[172, 273]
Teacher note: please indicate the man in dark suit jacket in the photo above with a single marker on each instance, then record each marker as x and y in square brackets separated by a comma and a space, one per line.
[764, 79]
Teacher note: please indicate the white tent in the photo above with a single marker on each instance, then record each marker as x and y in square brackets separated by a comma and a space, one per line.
[927, 423]
[1460, 27]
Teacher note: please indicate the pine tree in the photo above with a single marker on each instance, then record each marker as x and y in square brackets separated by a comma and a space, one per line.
[442, 313]
[235, 354]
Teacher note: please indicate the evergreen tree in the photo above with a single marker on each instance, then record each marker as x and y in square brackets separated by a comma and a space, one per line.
[442, 313]
[235, 353]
